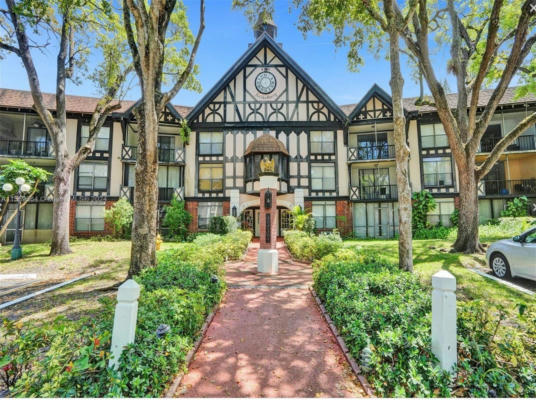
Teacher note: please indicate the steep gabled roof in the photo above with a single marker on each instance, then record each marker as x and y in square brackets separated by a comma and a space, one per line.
[266, 40]
[374, 91]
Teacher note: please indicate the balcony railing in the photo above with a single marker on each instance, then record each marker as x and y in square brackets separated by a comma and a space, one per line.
[165, 155]
[25, 148]
[375, 192]
[382, 151]
[164, 194]
[507, 187]
[522, 143]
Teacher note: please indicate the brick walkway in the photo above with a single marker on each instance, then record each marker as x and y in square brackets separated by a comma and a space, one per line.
[268, 339]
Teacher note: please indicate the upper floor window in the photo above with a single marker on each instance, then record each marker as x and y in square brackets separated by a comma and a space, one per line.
[324, 214]
[166, 148]
[437, 171]
[92, 176]
[322, 142]
[169, 177]
[210, 143]
[433, 135]
[323, 177]
[210, 177]
[102, 142]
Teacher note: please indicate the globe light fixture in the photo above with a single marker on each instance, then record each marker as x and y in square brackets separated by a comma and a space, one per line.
[20, 181]
[7, 187]
[25, 188]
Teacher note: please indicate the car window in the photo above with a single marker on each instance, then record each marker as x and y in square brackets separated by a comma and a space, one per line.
[531, 237]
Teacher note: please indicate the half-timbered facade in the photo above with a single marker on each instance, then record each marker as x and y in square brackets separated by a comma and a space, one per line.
[338, 162]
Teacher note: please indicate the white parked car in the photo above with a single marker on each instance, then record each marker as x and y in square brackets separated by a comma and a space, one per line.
[514, 257]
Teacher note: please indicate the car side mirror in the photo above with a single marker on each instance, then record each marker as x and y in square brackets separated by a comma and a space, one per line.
[517, 239]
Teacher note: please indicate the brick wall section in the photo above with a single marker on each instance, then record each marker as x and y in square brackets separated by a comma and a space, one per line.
[72, 214]
[344, 217]
[226, 208]
[457, 201]
[191, 207]
[308, 205]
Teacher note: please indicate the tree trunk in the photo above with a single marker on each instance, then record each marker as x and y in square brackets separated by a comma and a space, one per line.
[61, 209]
[467, 240]
[405, 242]
[143, 251]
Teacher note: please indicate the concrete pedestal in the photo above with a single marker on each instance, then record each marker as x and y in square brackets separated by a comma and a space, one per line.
[267, 261]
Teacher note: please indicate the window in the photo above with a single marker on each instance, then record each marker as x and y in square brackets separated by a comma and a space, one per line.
[89, 217]
[130, 175]
[323, 177]
[206, 211]
[92, 176]
[371, 146]
[324, 214]
[210, 177]
[437, 171]
[102, 142]
[322, 143]
[38, 216]
[169, 178]
[441, 214]
[166, 148]
[210, 143]
[433, 135]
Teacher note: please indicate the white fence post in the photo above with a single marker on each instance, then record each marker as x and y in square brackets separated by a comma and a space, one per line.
[444, 344]
[126, 314]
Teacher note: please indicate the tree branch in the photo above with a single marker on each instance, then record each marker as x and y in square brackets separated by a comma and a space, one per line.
[166, 98]
[10, 48]
[502, 145]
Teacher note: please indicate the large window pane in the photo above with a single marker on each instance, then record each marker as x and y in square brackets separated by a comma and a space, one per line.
[206, 211]
[437, 171]
[322, 142]
[324, 214]
[44, 220]
[93, 176]
[210, 143]
[210, 177]
[323, 177]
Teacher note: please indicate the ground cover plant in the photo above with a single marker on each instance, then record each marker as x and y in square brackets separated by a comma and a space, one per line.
[69, 358]
[378, 307]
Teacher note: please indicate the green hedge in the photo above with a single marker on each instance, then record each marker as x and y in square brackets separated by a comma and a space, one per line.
[70, 358]
[388, 311]
[306, 247]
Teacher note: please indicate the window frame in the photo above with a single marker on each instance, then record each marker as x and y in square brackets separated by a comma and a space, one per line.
[322, 142]
[91, 218]
[212, 143]
[211, 179]
[92, 189]
[83, 139]
[435, 135]
[324, 217]
[323, 178]
[437, 185]
[216, 209]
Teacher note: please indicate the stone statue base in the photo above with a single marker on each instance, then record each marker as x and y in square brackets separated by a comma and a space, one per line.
[267, 261]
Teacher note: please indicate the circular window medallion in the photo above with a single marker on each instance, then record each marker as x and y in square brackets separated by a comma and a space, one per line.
[265, 82]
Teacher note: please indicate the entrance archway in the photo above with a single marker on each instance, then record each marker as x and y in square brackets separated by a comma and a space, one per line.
[250, 219]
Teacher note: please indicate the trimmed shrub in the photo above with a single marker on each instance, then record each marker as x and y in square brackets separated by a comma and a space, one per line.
[176, 220]
[217, 225]
[119, 217]
[305, 247]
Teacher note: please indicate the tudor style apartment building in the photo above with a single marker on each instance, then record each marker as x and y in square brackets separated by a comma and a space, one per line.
[336, 161]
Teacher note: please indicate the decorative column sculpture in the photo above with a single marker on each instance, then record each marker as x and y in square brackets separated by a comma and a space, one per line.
[267, 258]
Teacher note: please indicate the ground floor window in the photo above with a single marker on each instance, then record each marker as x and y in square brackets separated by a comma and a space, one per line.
[205, 211]
[89, 217]
[38, 216]
[441, 214]
[324, 214]
[376, 220]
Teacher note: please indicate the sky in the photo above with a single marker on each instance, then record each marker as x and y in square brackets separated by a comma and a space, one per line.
[226, 38]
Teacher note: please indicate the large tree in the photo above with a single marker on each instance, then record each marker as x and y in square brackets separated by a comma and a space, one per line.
[159, 39]
[491, 45]
[77, 26]
[358, 24]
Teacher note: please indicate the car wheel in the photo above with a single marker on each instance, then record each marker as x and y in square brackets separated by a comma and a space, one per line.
[499, 266]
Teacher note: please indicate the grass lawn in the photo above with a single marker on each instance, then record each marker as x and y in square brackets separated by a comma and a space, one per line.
[428, 259]
[107, 261]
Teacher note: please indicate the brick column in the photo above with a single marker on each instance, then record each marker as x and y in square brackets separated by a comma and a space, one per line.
[268, 238]
[191, 207]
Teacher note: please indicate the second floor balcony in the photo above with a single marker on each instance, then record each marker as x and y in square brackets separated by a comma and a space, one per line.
[165, 155]
[373, 192]
[518, 187]
[522, 143]
[165, 194]
[26, 148]
[379, 151]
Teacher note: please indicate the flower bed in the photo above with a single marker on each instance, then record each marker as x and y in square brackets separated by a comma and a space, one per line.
[388, 311]
[70, 358]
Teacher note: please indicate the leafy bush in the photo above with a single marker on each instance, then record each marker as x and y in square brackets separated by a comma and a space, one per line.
[119, 217]
[217, 225]
[455, 217]
[305, 247]
[70, 358]
[231, 224]
[423, 203]
[302, 221]
[517, 207]
[377, 306]
[437, 232]
[505, 227]
[176, 220]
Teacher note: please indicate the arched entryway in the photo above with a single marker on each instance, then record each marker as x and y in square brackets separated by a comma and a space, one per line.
[250, 220]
